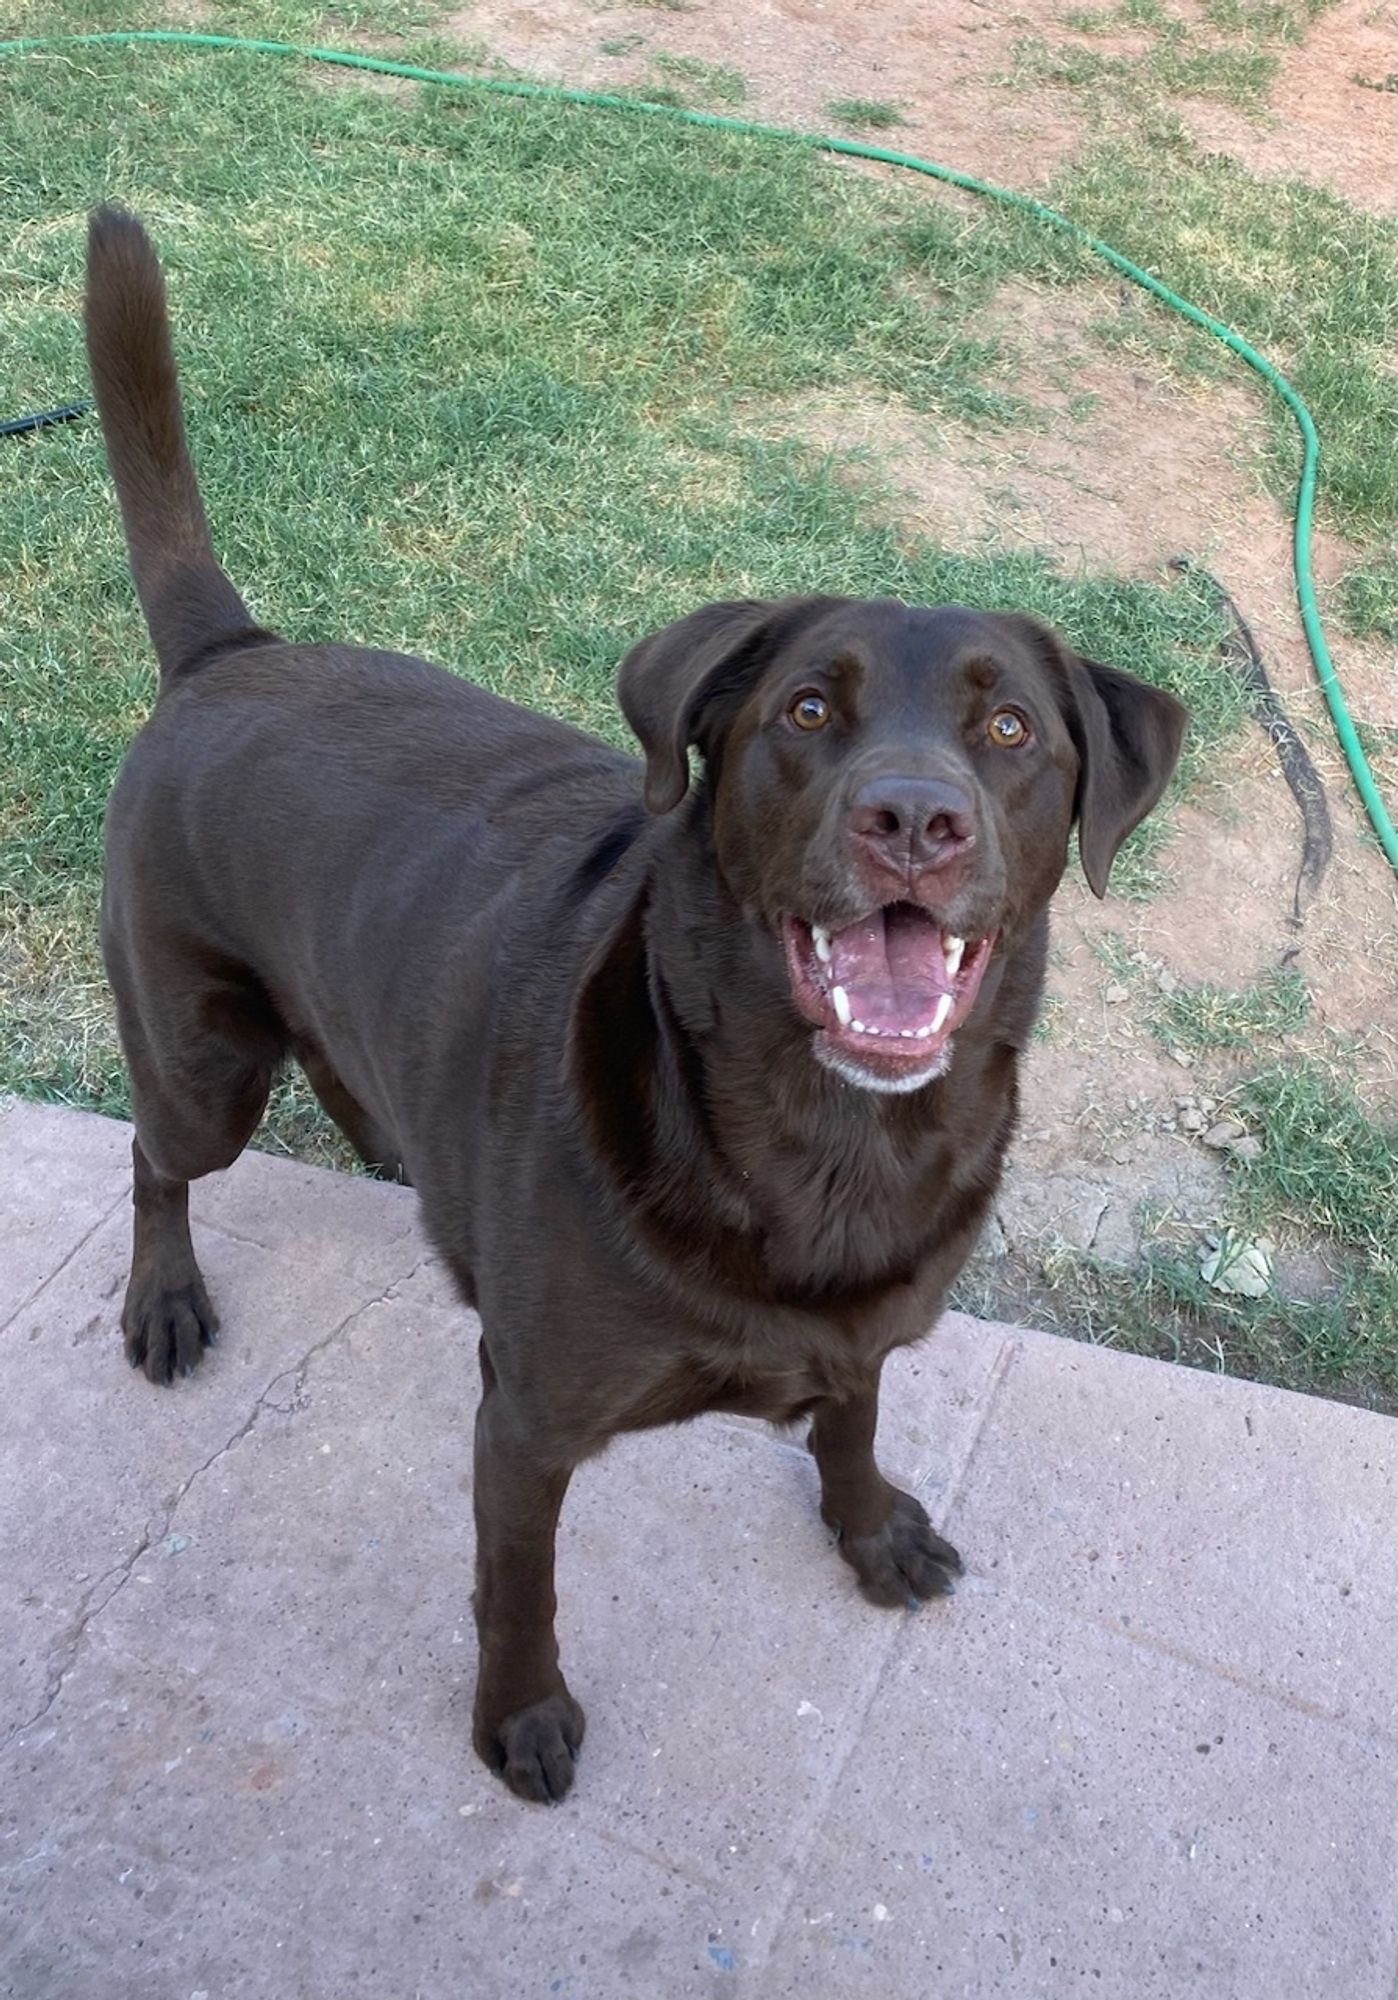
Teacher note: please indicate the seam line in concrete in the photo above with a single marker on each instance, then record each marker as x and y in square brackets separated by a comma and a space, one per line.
[794, 1867]
[155, 1533]
[1010, 1350]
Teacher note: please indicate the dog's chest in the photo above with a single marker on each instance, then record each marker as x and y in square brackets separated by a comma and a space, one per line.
[849, 1233]
[796, 1366]
[778, 1363]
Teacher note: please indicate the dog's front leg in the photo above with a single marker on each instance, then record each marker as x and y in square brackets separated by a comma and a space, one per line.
[528, 1728]
[167, 1320]
[884, 1533]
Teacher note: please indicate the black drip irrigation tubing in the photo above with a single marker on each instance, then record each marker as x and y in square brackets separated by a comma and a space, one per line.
[41, 420]
[856, 149]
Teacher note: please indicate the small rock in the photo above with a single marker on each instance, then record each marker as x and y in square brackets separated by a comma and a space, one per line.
[1182, 1057]
[1192, 1119]
[1237, 1266]
[1166, 982]
[1246, 1148]
[1223, 1134]
[1115, 994]
[1208, 1105]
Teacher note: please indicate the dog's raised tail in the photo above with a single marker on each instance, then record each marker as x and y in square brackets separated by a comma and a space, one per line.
[190, 606]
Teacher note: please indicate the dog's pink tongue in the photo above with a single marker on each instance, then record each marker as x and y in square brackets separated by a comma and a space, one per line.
[892, 968]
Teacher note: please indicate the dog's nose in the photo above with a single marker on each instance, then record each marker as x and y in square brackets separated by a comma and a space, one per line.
[913, 823]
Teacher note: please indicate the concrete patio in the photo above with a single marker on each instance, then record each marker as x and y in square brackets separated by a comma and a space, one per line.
[1147, 1752]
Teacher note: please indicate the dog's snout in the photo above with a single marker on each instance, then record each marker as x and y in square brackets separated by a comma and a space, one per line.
[913, 822]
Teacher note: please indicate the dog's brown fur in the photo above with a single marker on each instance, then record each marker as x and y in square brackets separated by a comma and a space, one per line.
[568, 1019]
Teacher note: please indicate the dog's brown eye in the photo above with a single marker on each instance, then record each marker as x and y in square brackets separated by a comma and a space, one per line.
[810, 711]
[1007, 729]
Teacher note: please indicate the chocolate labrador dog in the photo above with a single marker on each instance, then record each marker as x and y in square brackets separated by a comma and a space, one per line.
[704, 1084]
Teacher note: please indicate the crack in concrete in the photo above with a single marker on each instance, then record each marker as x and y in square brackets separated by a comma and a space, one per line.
[156, 1531]
[58, 1269]
[1158, 1645]
[654, 1857]
[202, 1222]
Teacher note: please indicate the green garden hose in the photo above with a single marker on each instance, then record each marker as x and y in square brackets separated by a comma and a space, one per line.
[857, 149]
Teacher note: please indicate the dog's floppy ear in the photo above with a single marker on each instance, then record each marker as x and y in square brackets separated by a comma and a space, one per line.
[665, 681]
[1127, 735]
[670, 682]
[1130, 739]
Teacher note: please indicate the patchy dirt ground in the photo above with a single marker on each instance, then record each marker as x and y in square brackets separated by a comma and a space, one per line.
[1127, 469]
[1332, 110]
[937, 63]
[944, 66]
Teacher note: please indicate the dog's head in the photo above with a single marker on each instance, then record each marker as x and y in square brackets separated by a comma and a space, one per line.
[892, 791]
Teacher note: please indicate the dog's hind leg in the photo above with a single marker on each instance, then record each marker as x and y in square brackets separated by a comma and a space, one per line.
[370, 1141]
[201, 1063]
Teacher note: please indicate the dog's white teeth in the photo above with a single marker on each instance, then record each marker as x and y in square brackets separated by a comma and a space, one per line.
[952, 948]
[840, 1001]
[821, 940]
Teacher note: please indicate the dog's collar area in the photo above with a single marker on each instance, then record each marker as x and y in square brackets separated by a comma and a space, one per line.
[888, 991]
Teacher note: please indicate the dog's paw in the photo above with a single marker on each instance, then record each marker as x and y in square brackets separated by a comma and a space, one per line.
[535, 1749]
[166, 1329]
[905, 1561]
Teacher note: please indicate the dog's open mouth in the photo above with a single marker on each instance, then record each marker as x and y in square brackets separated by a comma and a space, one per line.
[889, 991]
